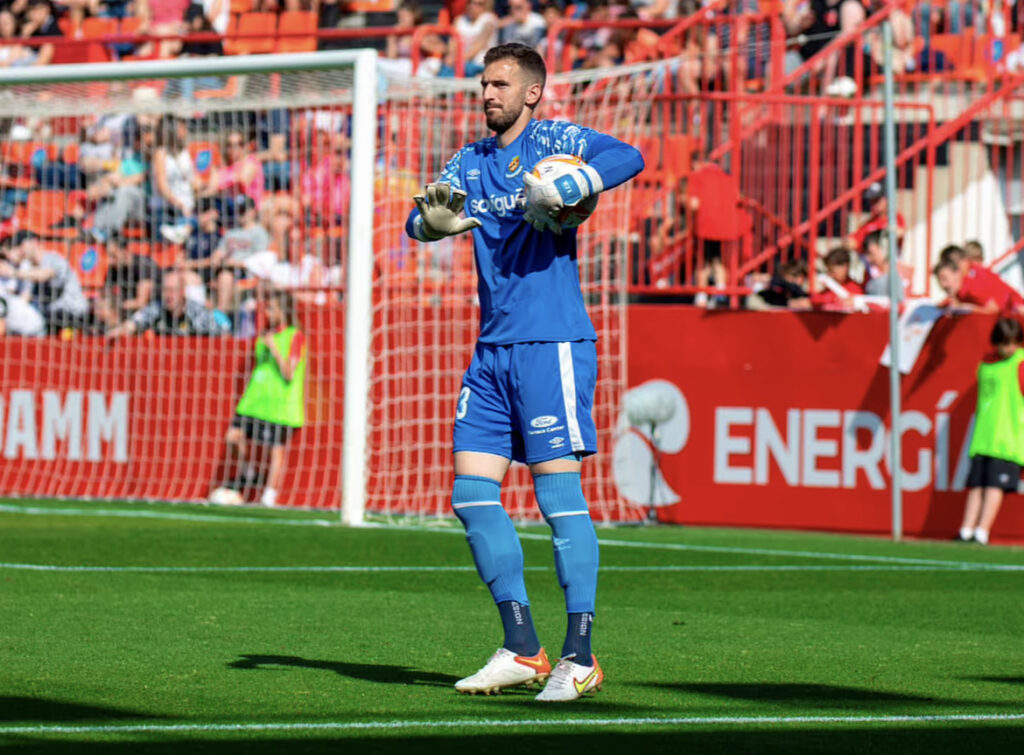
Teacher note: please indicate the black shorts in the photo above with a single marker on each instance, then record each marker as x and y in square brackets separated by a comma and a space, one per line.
[260, 431]
[986, 472]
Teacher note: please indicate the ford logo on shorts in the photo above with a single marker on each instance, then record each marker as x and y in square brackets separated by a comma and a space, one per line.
[545, 420]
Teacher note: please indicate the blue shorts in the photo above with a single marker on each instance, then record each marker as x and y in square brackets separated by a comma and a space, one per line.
[529, 402]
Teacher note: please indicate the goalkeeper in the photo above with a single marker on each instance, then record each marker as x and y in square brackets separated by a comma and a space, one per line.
[528, 391]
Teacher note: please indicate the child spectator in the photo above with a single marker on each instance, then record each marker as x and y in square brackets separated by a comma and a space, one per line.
[272, 407]
[878, 218]
[876, 259]
[232, 255]
[997, 445]
[972, 286]
[974, 252]
[840, 288]
[788, 287]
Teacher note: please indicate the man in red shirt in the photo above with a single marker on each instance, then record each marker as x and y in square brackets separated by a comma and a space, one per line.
[878, 219]
[970, 285]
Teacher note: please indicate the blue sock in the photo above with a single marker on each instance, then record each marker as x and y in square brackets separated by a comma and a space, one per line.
[520, 636]
[577, 638]
[561, 501]
[498, 555]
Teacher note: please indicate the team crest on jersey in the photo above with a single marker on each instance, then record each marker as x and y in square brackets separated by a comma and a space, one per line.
[514, 168]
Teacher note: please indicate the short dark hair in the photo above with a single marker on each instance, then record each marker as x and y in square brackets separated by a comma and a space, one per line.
[881, 238]
[527, 58]
[976, 245]
[1006, 331]
[838, 256]
[793, 267]
[953, 253]
[947, 262]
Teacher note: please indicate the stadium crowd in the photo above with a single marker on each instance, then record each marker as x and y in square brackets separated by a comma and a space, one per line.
[194, 216]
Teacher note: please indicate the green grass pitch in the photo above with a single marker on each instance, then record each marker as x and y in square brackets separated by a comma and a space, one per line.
[152, 628]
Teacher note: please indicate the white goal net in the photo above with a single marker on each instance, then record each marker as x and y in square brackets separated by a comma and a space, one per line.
[131, 190]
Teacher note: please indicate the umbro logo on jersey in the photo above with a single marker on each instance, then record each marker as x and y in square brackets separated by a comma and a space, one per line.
[556, 442]
[473, 174]
[514, 168]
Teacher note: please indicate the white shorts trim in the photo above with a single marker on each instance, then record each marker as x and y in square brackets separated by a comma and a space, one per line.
[568, 374]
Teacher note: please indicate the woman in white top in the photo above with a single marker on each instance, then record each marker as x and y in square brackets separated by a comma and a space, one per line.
[174, 177]
[478, 30]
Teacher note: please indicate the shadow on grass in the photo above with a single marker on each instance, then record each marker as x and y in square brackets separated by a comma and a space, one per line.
[33, 709]
[814, 695]
[370, 672]
[906, 740]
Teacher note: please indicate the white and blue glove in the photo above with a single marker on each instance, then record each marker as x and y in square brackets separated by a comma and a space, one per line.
[439, 208]
[547, 197]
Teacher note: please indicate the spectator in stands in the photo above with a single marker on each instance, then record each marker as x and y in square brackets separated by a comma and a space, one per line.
[522, 24]
[117, 186]
[196, 260]
[162, 18]
[325, 185]
[974, 287]
[839, 288]
[699, 58]
[974, 252]
[173, 314]
[272, 406]
[12, 54]
[592, 41]
[399, 49]
[878, 218]
[241, 174]
[788, 287]
[217, 14]
[197, 22]
[17, 316]
[817, 23]
[131, 284]
[39, 22]
[56, 290]
[876, 260]
[174, 179]
[477, 28]
[997, 443]
[903, 56]
[234, 252]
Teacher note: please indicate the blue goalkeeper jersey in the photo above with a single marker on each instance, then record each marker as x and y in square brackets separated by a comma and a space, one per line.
[528, 280]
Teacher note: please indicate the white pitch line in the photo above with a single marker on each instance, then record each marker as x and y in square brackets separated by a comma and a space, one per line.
[173, 515]
[499, 723]
[141, 514]
[427, 569]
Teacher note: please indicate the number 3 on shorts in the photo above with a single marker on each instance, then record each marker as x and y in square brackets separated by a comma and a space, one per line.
[460, 412]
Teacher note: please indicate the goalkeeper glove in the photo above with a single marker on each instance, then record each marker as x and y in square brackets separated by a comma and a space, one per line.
[439, 212]
[546, 197]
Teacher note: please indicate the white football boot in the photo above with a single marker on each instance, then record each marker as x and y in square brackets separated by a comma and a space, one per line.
[506, 669]
[571, 681]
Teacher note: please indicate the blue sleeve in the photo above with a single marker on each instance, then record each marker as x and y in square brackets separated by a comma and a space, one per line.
[452, 174]
[615, 162]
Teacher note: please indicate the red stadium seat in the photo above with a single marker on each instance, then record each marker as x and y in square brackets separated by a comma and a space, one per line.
[43, 209]
[94, 28]
[253, 23]
[206, 157]
[294, 22]
[25, 153]
[90, 264]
